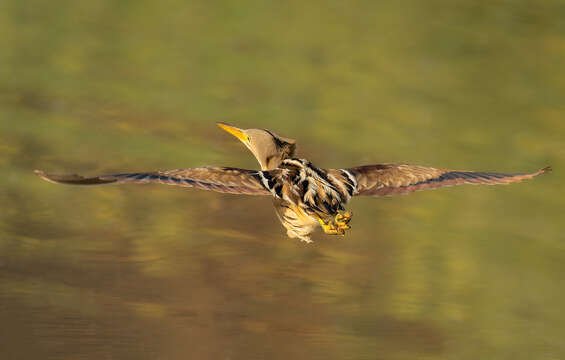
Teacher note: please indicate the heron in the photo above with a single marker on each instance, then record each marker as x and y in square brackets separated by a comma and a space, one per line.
[304, 195]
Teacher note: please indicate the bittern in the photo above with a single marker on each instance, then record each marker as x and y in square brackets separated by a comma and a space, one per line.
[304, 195]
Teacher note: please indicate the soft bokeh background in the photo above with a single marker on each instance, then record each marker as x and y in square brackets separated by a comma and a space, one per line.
[157, 272]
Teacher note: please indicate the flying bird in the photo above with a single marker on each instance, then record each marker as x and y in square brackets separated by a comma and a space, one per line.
[304, 196]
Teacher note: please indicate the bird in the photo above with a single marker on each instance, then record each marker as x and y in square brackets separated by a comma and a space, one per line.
[304, 196]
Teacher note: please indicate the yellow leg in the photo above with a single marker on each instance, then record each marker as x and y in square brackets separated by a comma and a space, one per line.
[342, 220]
[338, 224]
[330, 228]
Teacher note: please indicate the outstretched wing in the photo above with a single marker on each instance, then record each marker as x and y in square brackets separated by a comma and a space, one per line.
[222, 179]
[391, 179]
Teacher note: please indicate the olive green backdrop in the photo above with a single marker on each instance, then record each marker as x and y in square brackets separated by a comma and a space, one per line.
[157, 272]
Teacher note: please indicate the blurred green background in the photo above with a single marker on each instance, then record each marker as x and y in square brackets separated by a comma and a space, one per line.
[157, 272]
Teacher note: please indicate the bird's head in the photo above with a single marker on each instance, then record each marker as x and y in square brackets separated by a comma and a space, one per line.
[268, 148]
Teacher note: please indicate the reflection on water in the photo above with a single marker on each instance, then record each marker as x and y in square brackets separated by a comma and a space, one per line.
[155, 272]
[212, 292]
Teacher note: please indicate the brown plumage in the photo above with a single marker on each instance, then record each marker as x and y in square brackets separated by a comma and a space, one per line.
[220, 179]
[392, 179]
[304, 196]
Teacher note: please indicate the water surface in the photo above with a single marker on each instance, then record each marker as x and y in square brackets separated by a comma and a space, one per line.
[157, 272]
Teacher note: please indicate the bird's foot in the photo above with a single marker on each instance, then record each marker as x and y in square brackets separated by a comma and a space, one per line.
[342, 219]
[331, 229]
[338, 224]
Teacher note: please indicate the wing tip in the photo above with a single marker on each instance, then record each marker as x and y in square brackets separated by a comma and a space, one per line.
[72, 179]
[44, 176]
[545, 170]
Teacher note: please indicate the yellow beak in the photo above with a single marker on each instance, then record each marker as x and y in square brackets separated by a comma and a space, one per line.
[238, 133]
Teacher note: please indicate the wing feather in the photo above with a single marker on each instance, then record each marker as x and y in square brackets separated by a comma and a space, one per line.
[220, 179]
[391, 179]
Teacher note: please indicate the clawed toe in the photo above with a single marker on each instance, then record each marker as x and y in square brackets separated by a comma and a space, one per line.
[342, 220]
[338, 224]
[343, 216]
